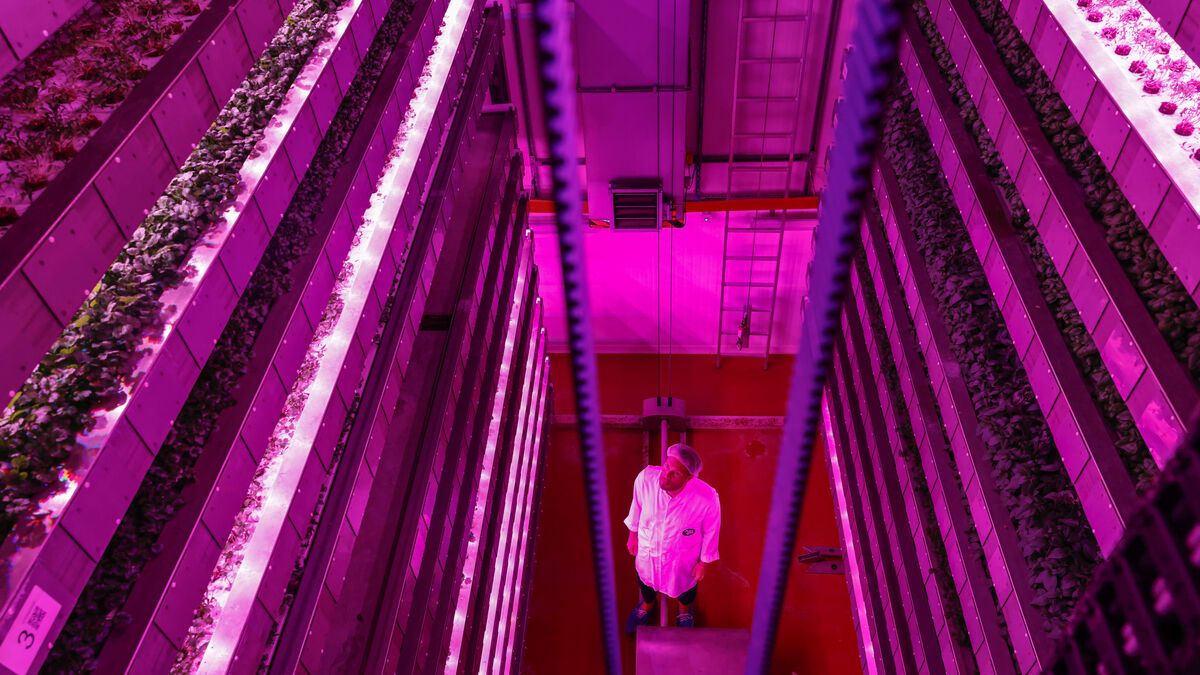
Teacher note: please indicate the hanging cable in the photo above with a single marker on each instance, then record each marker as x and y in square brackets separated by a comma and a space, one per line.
[671, 316]
[556, 71]
[870, 65]
[675, 215]
[659, 172]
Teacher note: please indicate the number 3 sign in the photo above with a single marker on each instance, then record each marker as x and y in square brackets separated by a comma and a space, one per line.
[28, 632]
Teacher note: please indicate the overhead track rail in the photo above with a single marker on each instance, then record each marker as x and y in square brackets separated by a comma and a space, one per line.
[870, 66]
[557, 74]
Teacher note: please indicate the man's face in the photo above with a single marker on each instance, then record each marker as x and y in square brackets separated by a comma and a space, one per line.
[674, 475]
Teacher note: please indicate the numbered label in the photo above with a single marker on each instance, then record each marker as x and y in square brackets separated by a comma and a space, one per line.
[28, 632]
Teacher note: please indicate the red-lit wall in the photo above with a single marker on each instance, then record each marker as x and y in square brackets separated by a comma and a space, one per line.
[816, 632]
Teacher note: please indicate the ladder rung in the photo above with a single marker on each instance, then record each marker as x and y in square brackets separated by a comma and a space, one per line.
[754, 310]
[752, 258]
[751, 284]
[769, 169]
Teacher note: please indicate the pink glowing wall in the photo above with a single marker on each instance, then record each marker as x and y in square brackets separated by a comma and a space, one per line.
[816, 633]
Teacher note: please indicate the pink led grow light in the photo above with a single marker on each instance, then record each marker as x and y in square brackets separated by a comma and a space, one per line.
[483, 492]
[856, 571]
[535, 449]
[520, 533]
[528, 390]
[236, 582]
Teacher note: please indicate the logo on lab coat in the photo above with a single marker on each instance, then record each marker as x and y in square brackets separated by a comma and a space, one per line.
[689, 532]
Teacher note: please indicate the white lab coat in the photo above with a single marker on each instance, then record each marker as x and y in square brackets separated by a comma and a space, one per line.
[674, 533]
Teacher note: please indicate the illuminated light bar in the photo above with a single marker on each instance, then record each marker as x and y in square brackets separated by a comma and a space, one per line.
[501, 570]
[509, 505]
[483, 491]
[856, 571]
[518, 534]
[518, 578]
[232, 592]
[1129, 34]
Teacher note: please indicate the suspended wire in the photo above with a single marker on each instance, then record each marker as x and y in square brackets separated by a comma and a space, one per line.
[659, 172]
[677, 216]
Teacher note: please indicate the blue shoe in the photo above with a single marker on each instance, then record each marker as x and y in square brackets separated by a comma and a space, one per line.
[685, 620]
[638, 617]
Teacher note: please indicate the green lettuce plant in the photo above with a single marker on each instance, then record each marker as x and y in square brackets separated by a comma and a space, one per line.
[1169, 303]
[1103, 390]
[1059, 548]
[99, 611]
[89, 368]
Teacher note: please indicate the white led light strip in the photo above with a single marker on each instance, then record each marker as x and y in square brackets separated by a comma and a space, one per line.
[232, 593]
[860, 603]
[483, 491]
[517, 524]
[509, 505]
[535, 450]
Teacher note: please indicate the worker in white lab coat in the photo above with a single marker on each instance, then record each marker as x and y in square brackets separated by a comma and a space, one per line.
[674, 522]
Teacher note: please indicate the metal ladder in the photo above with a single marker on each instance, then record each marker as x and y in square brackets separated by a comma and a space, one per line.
[751, 253]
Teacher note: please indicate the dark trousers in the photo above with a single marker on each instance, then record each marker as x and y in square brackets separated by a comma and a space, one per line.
[649, 594]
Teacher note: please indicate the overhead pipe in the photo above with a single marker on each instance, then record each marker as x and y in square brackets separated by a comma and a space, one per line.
[870, 64]
[556, 72]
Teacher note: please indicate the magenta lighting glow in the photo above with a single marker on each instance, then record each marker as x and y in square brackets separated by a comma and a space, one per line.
[483, 491]
[843, 517]
[1153, 81]
[505, 636]
[507, 626]
[156, 354]
[530, 389]
[231, 594]
[1167, 76]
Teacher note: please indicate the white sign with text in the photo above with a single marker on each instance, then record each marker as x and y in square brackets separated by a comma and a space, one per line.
[28, 632]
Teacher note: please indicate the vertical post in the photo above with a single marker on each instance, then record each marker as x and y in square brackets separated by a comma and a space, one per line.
[662, 460]
[662, 452]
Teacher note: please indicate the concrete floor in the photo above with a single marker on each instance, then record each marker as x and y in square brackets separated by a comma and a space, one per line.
[691, 651]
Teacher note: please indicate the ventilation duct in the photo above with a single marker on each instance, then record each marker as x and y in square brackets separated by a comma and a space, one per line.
[636, 208]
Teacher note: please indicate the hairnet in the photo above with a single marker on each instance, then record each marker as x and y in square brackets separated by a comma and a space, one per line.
[687, 456]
